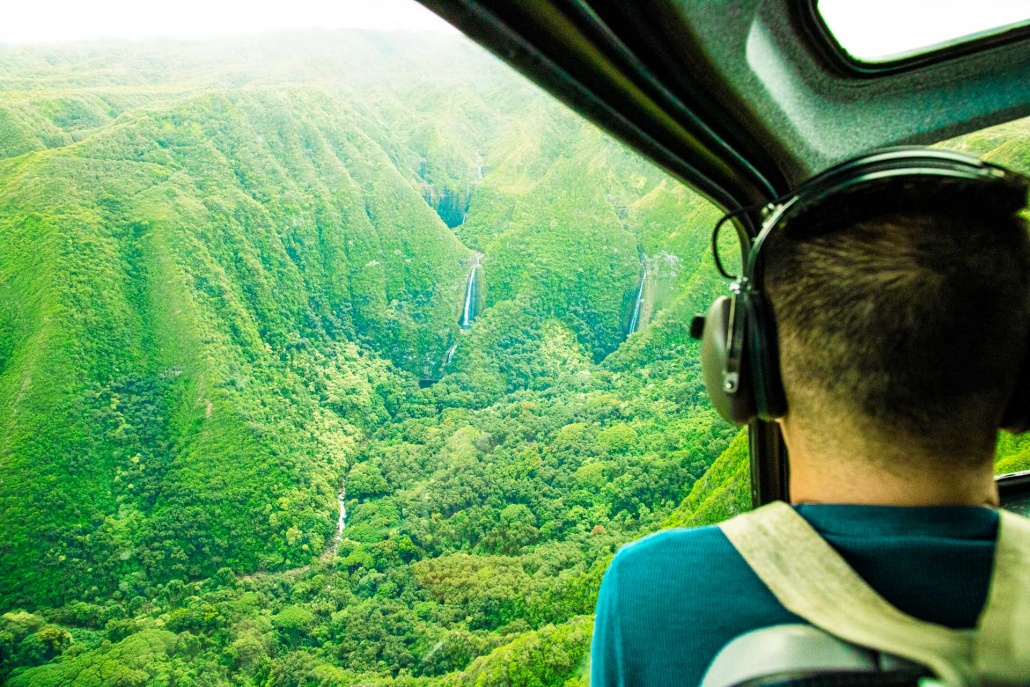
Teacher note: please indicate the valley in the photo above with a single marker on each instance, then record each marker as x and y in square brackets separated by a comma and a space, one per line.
[333, 358]
[320, 374]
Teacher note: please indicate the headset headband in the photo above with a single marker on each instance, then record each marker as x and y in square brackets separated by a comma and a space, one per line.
[745, 345]
[875, 169]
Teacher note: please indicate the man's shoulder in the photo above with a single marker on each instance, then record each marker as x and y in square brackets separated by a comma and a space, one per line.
[696, 575]
[670, 601]
[673, 556]
[674, 543]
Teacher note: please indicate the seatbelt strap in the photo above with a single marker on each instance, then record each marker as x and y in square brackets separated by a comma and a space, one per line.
[814, 582]
[1002, 646]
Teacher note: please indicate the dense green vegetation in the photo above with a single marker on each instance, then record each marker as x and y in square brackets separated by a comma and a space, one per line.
[230, 283]
[231, 289]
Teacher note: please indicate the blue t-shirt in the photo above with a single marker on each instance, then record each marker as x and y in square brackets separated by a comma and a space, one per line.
[669, 602]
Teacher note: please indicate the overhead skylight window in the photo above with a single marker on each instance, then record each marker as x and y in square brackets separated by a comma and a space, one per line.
[878, 31]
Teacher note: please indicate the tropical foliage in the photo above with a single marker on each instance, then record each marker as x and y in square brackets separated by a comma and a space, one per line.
[231, 276]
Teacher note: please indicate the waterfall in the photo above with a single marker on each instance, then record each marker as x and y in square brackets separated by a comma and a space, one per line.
[450, 355]
[342, 520]
[470, 299]
[466, 317]
[635, 320]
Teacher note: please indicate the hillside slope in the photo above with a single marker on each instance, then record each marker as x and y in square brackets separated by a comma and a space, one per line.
[182, 284]
[226, 270]
[231, 276]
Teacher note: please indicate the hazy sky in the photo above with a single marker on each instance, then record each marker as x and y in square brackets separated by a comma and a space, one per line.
[869, 28]
[39, 21]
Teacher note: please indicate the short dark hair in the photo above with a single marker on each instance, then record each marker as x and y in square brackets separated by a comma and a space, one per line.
[916, 320]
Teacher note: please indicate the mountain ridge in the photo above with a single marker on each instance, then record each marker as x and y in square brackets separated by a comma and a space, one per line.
[231, 279]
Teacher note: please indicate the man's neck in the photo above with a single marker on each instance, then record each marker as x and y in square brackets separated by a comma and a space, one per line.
[851, 486]
[846, 476]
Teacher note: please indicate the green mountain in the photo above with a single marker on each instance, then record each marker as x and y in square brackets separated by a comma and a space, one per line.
[232, 279]
[182, 289]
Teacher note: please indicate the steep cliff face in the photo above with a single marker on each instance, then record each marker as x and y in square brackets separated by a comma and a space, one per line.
[183, 289]
[219, 276]
[213, 280]
[451, 205]
[229, 293]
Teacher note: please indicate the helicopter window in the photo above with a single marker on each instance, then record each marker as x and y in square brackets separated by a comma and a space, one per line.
[372, 352]
[1005, 144]
[331, 351]
[885, 31]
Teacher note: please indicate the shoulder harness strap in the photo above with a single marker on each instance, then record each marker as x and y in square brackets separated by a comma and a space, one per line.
[1002, 648]
[814, 582]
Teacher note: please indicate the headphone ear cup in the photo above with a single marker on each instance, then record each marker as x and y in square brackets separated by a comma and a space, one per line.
[764, 352]
[738, 406]
[1017, 414]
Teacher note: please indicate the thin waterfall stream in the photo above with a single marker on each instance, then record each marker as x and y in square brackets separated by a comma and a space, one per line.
[635, 320]
[341, 522]
[469, 313]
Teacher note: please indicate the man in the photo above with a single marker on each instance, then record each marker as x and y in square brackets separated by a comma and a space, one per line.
[902, 327]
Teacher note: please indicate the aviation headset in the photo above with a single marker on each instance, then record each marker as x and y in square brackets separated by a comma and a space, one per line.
[739, 349]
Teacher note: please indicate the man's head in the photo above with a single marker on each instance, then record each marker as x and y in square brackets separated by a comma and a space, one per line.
[904, 328]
